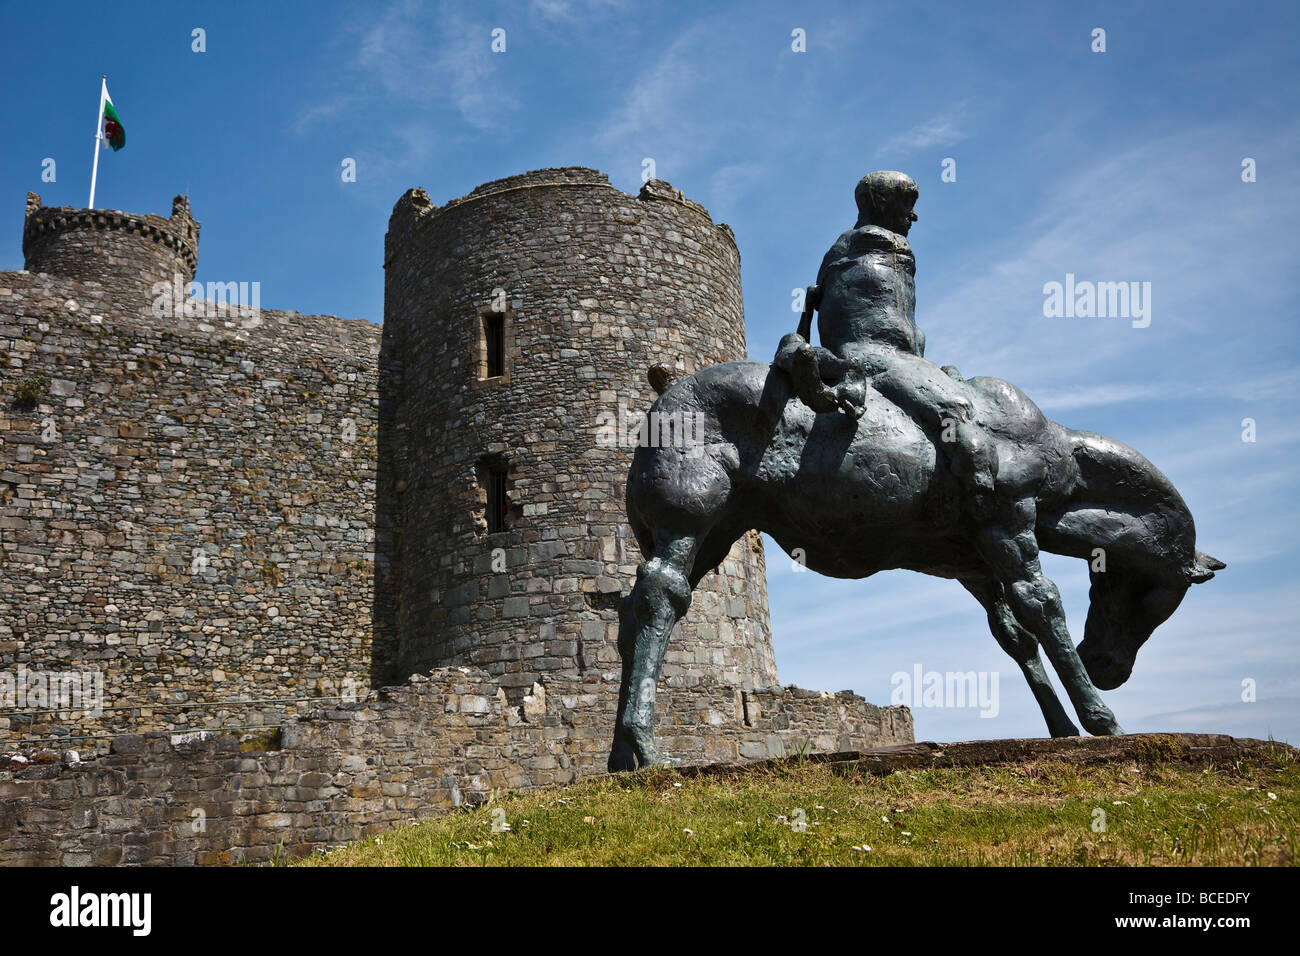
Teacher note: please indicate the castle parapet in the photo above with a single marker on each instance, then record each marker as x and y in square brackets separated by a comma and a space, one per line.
[127, 253]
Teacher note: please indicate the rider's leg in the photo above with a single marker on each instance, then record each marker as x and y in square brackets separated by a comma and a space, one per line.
[1010, 549]
[975, 458]
[810, 367]
[938, 404]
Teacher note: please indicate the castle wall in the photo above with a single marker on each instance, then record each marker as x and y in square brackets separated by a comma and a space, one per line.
[404, 753]
[184, 508]
[211, 509]
[593, 286]
[235, 518]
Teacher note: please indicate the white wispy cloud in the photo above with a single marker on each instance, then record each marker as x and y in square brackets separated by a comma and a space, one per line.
[731, 184]
[1259, 719]
[423, 56]
[448, 56]
[575, 11]
[1142, 214]
[657, 117]
[324, 111]
[1092, 396]
[1270, 386]
[942, 130]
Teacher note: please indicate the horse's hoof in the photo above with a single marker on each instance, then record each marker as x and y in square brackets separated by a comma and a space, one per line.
[1102, 725]
[633, 749]
[622, 757]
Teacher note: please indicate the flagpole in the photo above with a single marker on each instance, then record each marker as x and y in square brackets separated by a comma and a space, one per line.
[99, 133]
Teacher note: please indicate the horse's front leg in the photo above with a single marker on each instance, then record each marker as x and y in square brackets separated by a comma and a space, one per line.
[1011, 551]
[647, 616]
[1023, 649]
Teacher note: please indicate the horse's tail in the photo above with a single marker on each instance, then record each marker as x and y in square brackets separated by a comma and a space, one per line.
[661, 376]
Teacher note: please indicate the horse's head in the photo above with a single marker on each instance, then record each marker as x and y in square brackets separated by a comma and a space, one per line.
[1124, 607]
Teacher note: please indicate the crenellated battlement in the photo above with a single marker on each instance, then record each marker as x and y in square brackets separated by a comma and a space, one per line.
[415, 209]
[126, 252]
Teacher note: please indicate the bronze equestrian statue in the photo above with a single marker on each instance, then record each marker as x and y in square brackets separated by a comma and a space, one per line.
[868, 457]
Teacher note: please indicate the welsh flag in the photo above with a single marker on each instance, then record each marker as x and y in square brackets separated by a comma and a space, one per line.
[114, 134]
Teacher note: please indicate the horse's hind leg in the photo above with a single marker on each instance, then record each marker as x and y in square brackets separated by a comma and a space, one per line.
[1023, 648]
[1011, 551]
[660, 597]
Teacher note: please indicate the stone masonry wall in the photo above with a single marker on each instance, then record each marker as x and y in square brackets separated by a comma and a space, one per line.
[595, 286]
[404, 753]
[186, 504]
[236, 519]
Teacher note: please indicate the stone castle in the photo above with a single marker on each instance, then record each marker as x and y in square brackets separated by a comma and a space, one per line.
[243, 519]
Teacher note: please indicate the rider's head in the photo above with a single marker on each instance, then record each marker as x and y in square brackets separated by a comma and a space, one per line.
[886, 199]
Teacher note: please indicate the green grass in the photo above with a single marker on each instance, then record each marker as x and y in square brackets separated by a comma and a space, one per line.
[1035, 814]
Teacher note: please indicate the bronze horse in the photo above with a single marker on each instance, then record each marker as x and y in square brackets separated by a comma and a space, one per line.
[873, 494]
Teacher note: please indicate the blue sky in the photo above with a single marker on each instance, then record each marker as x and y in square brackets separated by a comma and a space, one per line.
[1115, 166]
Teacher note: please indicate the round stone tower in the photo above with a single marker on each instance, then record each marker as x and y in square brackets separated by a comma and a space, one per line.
[126, 253]
[519, 324]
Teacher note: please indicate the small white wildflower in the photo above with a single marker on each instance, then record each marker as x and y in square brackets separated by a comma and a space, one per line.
[1272, 796]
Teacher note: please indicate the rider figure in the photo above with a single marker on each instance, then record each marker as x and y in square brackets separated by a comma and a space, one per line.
[865, 297]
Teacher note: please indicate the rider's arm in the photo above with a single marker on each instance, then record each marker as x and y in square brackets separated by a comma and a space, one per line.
[811, 300]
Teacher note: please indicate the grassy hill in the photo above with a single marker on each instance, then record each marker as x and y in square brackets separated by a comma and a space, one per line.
[1147, 809]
